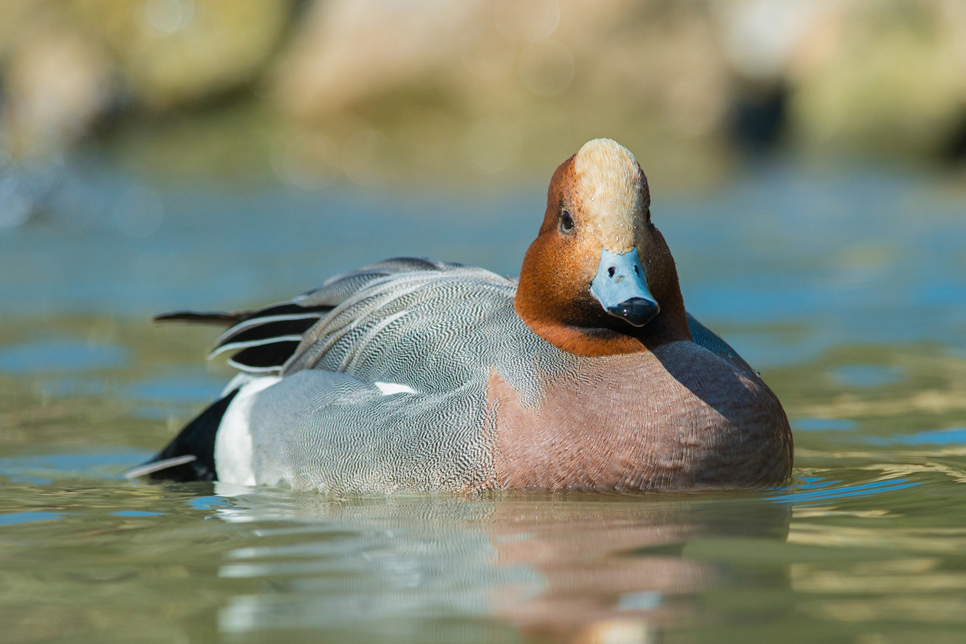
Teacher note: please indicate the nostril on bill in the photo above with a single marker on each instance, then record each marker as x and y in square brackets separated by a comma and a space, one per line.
[610, 271]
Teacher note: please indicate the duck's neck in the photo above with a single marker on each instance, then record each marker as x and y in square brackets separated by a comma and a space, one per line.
[588, 342]
[579, 325]
[603, 341]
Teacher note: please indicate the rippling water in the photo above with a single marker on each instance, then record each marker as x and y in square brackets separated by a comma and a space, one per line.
[845, 287]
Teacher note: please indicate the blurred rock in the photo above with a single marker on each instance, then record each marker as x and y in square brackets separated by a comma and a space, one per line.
[178, 52]
[883, 79]
[16, 15]
[57, 82]
[510, 81]
[372, 89]
[347, 51]
[760, 38]
[661, 61]
[66, 63]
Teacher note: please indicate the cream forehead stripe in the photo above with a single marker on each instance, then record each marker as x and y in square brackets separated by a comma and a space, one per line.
[608, 186]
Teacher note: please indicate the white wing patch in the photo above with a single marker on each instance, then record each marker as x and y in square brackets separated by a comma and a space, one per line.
[390, 388]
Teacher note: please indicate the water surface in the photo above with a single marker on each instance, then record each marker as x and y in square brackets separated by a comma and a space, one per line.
[846, 287]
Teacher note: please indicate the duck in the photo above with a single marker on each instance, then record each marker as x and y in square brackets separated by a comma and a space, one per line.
[414, 375]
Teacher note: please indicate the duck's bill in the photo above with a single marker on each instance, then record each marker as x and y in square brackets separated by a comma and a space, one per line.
[621, 288]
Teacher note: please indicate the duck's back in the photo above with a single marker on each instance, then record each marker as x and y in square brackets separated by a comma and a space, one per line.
[388, 391]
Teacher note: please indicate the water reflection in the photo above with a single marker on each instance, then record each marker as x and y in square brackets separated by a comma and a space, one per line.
[87, 551]
[579, 566]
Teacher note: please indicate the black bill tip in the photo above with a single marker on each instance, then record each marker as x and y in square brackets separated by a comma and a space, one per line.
[636, 310]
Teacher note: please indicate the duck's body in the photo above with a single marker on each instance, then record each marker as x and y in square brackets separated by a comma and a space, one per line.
[415, 375]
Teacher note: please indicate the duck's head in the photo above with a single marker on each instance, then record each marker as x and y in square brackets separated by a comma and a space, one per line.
[599, 278]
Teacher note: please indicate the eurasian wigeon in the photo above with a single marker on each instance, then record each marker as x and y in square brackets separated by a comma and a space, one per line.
[419, 375]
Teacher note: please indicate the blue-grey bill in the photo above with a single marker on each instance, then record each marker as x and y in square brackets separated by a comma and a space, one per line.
[621, 288]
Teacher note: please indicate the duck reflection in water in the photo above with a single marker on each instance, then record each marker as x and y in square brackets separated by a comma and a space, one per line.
[568, 567]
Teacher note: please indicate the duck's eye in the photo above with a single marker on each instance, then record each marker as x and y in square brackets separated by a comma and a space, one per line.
[566, 221]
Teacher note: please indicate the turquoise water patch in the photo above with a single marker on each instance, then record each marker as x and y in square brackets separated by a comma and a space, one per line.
[952, 436]
[823, 425]
[845, 491]
[27, 517]
[209, 502]
[59, 356]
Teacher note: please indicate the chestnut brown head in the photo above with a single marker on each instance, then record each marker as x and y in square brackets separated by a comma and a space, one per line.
[599, 278]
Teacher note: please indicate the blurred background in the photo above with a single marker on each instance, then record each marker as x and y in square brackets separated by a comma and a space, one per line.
[398, 93]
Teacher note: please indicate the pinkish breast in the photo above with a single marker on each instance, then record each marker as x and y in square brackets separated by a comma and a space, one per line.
[677, 418]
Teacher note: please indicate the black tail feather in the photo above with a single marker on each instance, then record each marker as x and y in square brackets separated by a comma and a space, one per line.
[224, 319]
[267, 357]
[196, 439]
[248, 335]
